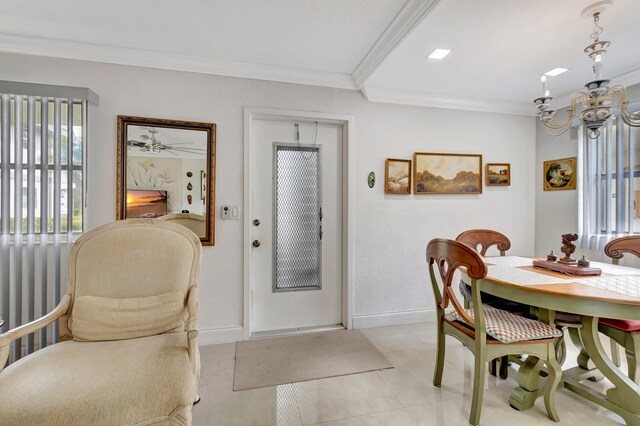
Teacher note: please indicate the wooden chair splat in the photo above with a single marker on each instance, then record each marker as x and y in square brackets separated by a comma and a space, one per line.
[485, 239]
[615, 249]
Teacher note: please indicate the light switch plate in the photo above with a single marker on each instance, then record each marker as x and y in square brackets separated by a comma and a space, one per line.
[235, 213]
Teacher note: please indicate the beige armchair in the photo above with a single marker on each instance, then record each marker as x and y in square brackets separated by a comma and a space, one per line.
[128, 353]
[195, 222]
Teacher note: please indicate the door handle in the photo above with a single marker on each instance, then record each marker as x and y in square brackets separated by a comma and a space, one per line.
[256, 243]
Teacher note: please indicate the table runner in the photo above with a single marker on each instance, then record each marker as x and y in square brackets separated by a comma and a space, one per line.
[629, 285]
[513, 261]
[608, 268]
[519, 276]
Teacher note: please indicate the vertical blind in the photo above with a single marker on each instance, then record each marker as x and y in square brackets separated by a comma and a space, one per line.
[609, 204]
[43, 137]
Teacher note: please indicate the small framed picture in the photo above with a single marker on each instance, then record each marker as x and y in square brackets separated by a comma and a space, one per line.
[397, 176]
[447, 173]
[559, 175]
[498, 174]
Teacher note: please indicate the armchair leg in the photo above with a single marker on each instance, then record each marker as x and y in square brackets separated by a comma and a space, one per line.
[478, 389]
[437, 374]
[553, 379]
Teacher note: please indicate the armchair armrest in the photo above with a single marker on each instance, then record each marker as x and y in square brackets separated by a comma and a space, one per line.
[192, 313]
[192, 329]
[10, 336]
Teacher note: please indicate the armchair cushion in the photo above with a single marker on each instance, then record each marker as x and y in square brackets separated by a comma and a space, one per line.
[509, 328]
[137, 381]
[105, 318]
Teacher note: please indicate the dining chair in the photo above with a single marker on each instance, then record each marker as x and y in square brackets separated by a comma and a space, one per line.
[482, 240]
[487, 332]
[625, 333]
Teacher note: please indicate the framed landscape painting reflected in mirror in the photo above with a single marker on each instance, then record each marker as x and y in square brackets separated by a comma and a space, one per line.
[166, 171]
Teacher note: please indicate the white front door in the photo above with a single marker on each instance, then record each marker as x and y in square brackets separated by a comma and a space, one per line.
[296, 225]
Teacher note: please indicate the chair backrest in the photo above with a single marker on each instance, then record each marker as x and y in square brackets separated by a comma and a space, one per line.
[136, 270]
[448, 256]
[615, 249]
[482, 239]
[195, 222]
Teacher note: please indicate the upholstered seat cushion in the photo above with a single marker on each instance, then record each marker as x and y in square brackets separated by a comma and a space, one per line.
[509, 328]
[624, 325]
[126, 382]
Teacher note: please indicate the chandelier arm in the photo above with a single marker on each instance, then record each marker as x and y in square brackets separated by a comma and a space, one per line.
[631, 118]
[551, 123]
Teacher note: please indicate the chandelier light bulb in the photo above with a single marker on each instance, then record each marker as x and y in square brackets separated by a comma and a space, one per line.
[545, 91]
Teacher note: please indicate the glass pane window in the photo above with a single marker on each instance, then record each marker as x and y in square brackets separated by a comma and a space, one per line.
[43, 136]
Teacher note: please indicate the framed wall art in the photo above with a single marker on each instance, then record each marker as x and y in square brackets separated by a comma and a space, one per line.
[397, 176]
[498, 174]
[559, 175]
[447, 173]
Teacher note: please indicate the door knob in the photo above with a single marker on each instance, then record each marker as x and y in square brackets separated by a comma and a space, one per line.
[256, 243]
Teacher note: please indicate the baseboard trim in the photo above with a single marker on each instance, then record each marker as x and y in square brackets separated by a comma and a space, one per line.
[220, 335]
[393, 318]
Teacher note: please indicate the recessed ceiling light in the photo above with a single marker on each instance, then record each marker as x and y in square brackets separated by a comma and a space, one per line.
[556, 71]
[439, 54]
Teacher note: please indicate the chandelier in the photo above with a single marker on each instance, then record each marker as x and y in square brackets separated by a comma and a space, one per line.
[596, 100]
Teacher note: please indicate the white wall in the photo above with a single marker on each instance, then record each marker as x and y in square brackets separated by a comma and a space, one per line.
[391, 232]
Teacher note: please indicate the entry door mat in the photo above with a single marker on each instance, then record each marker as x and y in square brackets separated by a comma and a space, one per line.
[289, 359]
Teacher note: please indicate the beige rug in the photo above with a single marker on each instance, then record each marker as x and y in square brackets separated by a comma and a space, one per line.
[279, 360]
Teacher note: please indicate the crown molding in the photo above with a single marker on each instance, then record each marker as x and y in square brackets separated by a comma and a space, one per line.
[30, 45]
[627, 79]
[405, 21]
[416, 98]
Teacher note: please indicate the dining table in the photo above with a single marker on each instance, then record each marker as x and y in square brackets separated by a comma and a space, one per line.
[554, 296]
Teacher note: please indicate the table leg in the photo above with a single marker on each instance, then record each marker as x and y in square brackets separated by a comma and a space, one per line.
[584, 360]
[528, 377]
[624, 397]
[523, 397]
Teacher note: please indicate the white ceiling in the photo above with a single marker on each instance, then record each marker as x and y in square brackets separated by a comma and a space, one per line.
[500, 47]
[195, 140]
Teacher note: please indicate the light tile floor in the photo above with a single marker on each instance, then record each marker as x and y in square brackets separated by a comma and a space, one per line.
[400, 396]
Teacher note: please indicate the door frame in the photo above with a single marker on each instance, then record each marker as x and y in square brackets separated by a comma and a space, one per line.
[347, 122]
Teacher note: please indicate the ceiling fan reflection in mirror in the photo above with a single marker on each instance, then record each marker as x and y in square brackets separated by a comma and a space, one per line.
[153, 144]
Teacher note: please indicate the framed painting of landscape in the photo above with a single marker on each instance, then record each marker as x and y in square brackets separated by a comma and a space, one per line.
[560, 174]
[397, 176]
[447, 173]
[498, 174]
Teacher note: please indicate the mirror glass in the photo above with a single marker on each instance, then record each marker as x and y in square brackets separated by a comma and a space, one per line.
[166, 172]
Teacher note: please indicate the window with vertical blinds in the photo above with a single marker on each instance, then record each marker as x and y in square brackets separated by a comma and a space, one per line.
[611, 184]
[42, 188]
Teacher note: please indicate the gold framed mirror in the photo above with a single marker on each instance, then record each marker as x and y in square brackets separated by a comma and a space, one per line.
[166, 171]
